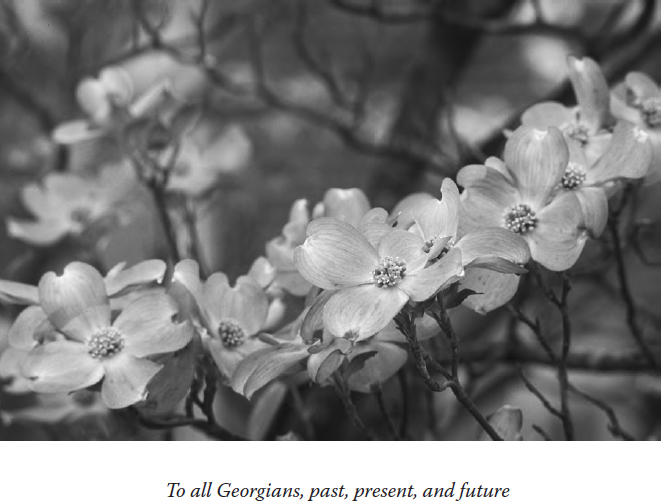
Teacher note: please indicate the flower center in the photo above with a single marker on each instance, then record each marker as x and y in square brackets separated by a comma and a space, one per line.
[573, 177]
[651, 110]
[520, 219]
[231, 333]
[389, 271]
[106, 343]
[577, 131]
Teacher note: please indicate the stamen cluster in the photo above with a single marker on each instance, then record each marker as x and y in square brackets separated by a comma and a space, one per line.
[389, 271]
[573, 177]
[105, 343]
[231, 333]
[520, 219]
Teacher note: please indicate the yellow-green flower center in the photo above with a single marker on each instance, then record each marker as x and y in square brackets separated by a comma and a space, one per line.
[577, 131]
[651, 110]
[231, 333]
[520, 219]
[573, 177]
[105, 343]
[389, 271]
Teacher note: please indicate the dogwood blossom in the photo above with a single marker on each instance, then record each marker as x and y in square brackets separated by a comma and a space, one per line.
[372, 282]
[231, 316]
[205, 156]
[68, 204]
[638, 100]
[585, 124]
[482, 250]
[349, 205]
[86, 346]
[520, 194]
[109, 100]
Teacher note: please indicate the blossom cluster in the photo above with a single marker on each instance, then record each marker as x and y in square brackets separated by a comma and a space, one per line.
[324, 299]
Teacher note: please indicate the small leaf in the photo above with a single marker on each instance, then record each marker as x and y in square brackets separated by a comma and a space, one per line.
[357, 363]
[453, 297]
[507, 421]
[498, 264]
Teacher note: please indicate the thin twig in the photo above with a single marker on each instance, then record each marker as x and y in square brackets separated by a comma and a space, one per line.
[387, 416]
[444, 322]
[541, 432]
[350, 408]
[625, 291]
[613, 423]
[540, 396]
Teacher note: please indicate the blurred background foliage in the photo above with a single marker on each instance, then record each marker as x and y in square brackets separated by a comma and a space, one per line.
[386, 95]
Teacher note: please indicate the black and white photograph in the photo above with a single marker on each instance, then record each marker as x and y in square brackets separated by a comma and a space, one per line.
[330, 220]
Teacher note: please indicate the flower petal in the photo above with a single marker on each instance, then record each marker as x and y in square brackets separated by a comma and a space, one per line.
[336, 254]
[620, 108]
[641, 85]
[487, 195]
[403, 210]
[537, 160]
[323, 364]
[493, 242]
[126, 380]
[360, 312]
[61, 366]
[374, 226]
[496, 289]
[263, 366]
[75, 302]
[30, 328]
[594, 205]
[313, 320]
[422, 284]
[42, 232]
[246, 303]
[349, 205]
[228, 359]
[405, 245]
[93, 99]
[542, 115]
[18, 293]
[146, 272]
[629, 155]
[591, 89]
[148, 326]
[77, 131]
[654, 174]
[439, 217]
[558, 240]
[187, 273]
[117, 82]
